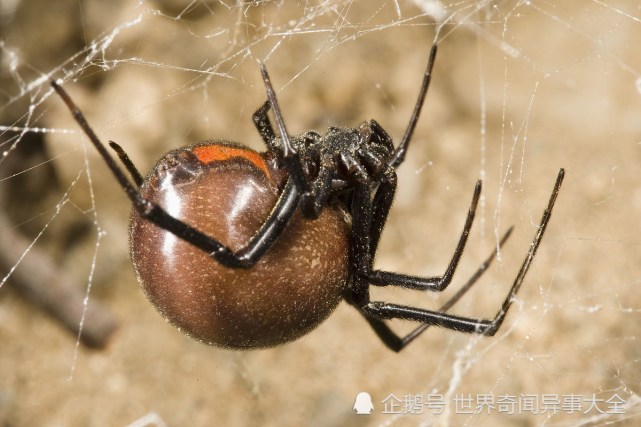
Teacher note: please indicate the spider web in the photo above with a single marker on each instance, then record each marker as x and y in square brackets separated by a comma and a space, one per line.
[521, 89]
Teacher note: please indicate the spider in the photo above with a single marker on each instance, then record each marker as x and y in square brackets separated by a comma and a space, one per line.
[247, 250]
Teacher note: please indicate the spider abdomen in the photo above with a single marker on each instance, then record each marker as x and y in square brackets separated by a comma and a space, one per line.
[227, 191]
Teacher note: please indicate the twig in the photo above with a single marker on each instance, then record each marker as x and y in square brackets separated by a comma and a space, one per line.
[43, 284]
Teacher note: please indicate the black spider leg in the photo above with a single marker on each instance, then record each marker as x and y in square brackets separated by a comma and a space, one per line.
[312, 202]
[382, 310]
[382, 203]
[288, 152]
[401, 150]
[264, 127]
[360, 255]
[245, 257]
[368, 221]
[314, 196]
[385, 195]
[398, 343]
[129, 165]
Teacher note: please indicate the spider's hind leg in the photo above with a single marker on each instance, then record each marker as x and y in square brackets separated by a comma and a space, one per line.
[368, 220]
[395, 342]
[382, 203]
[377, 311]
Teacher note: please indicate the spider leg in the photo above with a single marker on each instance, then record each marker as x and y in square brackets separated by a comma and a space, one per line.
[382, 134]
[313, 197]
[361, 256]
[399, 155]
[382, 203]
[368, 220]
[124, 158]
[245, 257]
[395, 342]
[382, 310]
[360, 253]
[313, 201]
[289, 154]
[264, 127]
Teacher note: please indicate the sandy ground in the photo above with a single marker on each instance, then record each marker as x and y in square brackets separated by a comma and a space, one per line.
[518, 92]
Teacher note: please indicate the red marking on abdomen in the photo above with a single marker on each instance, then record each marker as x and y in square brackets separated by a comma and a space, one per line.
[217, 153]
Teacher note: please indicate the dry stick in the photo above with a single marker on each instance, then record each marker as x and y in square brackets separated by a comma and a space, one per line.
[43, 284]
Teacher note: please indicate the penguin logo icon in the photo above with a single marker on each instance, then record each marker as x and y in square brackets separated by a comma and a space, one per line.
[363, 404]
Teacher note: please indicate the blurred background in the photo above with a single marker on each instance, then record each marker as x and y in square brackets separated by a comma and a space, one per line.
[520, 89]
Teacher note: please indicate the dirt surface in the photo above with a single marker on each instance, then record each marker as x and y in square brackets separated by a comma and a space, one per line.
[519, 91]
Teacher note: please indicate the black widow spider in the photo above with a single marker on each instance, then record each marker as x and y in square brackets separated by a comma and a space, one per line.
[300, 224]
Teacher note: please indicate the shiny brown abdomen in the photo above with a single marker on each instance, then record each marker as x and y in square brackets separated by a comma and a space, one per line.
[288, 292]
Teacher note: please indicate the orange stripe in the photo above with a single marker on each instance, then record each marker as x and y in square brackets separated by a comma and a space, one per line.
[217, 153]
